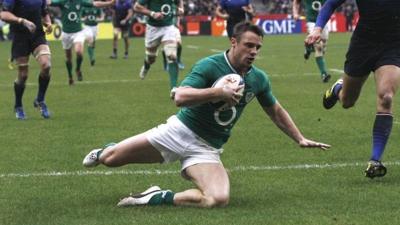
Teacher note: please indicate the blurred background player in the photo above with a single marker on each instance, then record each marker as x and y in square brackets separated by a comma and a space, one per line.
[91, 16]
[122, 13]
[72, 34]
[25, 17]
[160, 29]
[234, 12]
[179, 50]
[311, 9]
[374, 47]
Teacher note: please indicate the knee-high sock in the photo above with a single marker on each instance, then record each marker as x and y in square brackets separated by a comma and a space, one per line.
[179, 53]
[164, 197]
[380, 134]
[19, 91]
[79, 60]
[69, 68]
[173, 74]
[43, 84]
[91, 53]
[321, 64]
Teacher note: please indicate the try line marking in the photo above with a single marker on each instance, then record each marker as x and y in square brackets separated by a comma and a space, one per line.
[166, 172]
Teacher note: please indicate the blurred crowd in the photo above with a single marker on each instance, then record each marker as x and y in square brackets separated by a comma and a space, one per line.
[207, 7]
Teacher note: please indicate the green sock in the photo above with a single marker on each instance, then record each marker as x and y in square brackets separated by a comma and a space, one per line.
[164, 197]
[79, 60]
[173, 74]
[321, 64]
[179, 52]
[91, 53]
[69, 68]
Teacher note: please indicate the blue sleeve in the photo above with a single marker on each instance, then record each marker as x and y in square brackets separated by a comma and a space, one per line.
[326, 11]
[222, 4]
[8, 5]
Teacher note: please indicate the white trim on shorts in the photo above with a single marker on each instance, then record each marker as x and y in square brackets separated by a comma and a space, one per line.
[175, 142]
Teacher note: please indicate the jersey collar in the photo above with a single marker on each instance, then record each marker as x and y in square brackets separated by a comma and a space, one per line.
[230, 66]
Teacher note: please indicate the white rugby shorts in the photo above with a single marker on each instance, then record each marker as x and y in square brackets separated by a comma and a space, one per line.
[68, 39]
[156, 35]
[175, 141]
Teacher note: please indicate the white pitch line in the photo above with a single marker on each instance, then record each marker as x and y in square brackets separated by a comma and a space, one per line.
[192, 46]
[166, 172]
[336, 70]
[87, 82]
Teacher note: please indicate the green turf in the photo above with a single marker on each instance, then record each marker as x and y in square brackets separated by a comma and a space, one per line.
[112, 103]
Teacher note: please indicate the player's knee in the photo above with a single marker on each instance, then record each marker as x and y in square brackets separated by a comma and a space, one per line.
[45, 67]
[319, 49]
[217, 200]
[170, 51]
[385, 100]
[150, 57]
[348, 103]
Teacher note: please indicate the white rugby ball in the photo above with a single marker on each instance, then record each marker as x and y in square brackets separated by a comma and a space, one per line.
[231, 80]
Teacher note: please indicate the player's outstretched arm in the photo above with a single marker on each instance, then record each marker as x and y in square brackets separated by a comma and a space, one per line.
[101, 4]
[283, 120]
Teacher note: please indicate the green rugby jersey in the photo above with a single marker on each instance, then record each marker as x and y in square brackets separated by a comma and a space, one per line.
[312, 8]
[205, 120]
[91, 14]
[71, 13]
[167, 7]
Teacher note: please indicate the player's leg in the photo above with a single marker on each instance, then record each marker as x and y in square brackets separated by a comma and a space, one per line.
[20, 51]
[387, 79]
[320, 49]
[179, 50]
[125, 35]
[346, 90]
[67, 42]
[42, 55]
[136, 149]
[79, 41]
[19, 85]
[170, 48]
[116, 32]
[150, 58]
[212, 182]
[320, 60]
[152, 40]
[90, 39]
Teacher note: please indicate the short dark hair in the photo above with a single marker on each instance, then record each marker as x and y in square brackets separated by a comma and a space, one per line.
[245, 26]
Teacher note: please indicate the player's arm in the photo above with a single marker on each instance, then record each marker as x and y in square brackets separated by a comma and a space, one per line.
[101, 4]
[180, 9]
[139, 8]
[219, 12]
[284, 122]
[189, 96]
[128, 17]
[101, 16]
[9, 17]
[46, 20]
[323, 16]
[296, 9]
[249, 9]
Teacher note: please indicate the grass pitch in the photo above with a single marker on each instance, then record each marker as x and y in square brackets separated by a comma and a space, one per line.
[273, 181]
